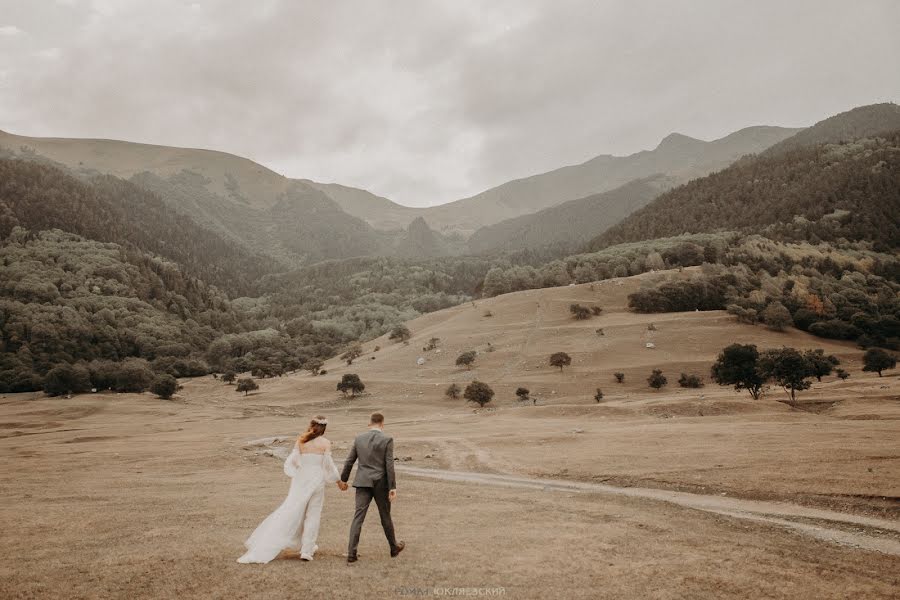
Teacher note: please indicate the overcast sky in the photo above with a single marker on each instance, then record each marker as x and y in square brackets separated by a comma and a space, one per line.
[429, 101]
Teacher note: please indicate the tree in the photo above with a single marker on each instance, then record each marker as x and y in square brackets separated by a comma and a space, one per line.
[65, 379]
[400, 333]
[690, 381]
[842, 374]
[466, 359]
[821, 365]
[164, 386]
[351, 383]
[737, 365]
[523, 393]
[777, 317]
[560, 359]
[495, 282]
[478, 392]
[246, 385]
[353, 352]
[657, 380]
[788, 368]
[229, 376]
[598, 396]
[876, 359]
[314, 365]
[620, 377]
[453, 391]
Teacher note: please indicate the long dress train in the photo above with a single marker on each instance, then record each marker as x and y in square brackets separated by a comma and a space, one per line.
[295, 524]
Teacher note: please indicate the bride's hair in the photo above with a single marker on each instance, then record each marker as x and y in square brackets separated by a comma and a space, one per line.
[316, 428]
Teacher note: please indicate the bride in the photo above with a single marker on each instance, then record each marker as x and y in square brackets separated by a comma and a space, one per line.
[295, 524]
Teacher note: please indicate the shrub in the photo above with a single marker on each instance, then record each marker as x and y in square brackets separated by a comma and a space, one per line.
[842, 374]
[314, 365]
[876, 359]
[651, 327]
[560, 359]
[66, 378]
[777, 317]
[466, 359]
[351, 383]
[164, 386]
[453, 391]
[599, 331]
[599, 395]
[657, 380]
[579, 312]
[353, 352]
[479, 393]
[400, 333]
[229, 376]
[522, 394]
[620, 377]
[246, 385]
[737, 365]
[488, 313]
[433, 343]
[690, 381]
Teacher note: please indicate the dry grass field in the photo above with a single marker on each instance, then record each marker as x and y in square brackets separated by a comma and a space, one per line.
[680, 493]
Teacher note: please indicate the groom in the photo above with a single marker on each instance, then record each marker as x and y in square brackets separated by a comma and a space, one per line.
[374, 479]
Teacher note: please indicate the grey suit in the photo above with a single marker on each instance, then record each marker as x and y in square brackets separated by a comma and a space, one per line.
[374, 479]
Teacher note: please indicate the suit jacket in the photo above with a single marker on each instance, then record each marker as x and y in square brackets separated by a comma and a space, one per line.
[375, 452]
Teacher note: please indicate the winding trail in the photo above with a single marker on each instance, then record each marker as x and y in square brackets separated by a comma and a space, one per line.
[845, 529]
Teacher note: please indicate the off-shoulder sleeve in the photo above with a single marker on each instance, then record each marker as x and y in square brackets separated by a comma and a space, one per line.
[292, 464]
[331, 472]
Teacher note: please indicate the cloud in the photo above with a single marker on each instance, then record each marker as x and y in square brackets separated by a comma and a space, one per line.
[10, 30]
[425, 101]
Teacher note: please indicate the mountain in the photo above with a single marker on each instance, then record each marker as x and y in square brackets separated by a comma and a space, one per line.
[831, 191]
[860, 122]
[381, 213]
[570, 224]
[420, 241]
[678, 156]
[287, 219]
[41, 197]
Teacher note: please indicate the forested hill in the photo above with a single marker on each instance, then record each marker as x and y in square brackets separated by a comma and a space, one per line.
[855, 184]
[108, 209]
[569, 225]
[863, 121]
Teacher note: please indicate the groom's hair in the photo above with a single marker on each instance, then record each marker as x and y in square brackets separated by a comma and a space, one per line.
[376, 419]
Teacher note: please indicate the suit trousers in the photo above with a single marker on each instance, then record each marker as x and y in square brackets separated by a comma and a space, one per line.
[364, 497]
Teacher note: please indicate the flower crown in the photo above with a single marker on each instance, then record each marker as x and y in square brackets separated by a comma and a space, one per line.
[320, 421]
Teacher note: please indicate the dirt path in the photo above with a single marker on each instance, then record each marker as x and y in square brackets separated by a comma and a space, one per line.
[867, 533]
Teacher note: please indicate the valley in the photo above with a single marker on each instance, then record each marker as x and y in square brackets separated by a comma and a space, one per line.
[701, 492]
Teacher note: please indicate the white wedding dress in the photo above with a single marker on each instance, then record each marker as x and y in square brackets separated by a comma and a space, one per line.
[294, 524]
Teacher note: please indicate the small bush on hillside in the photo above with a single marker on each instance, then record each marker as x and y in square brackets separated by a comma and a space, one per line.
[599, 395]
[433, 343]
[453, 391]
[352, 353]
[657, 380]
[479, 393]
[164, 386]
[229, 376]
[523, 394]
[599, 331]
[579, 312]
[314, 365]
[488, 313]
[246, 385]
[466, 359]
[690, 381]
[842, 374]
[351, 383]
[560, 359]
[620, 377]
[877, 360]
[400, 333]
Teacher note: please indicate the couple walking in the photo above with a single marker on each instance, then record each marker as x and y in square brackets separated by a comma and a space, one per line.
[295, 524]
